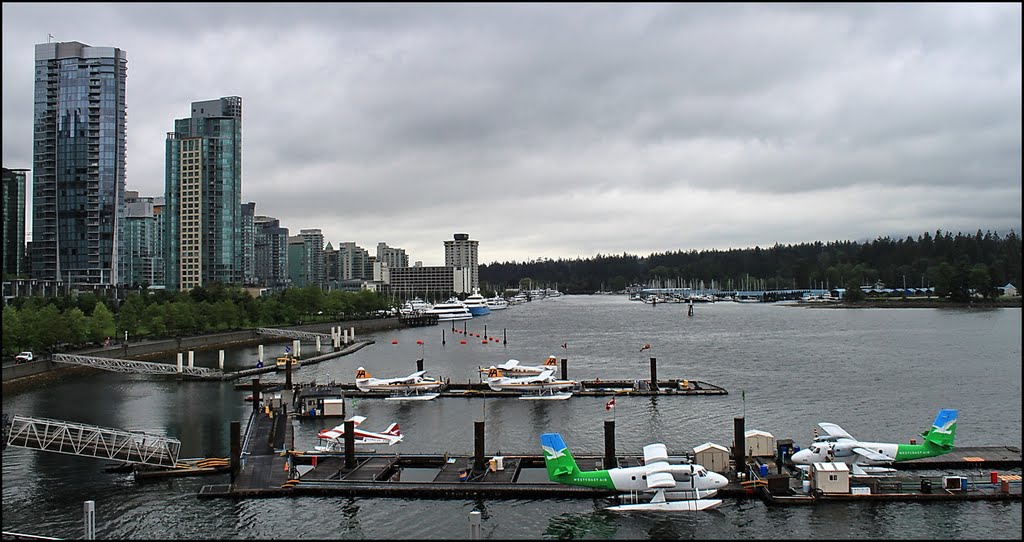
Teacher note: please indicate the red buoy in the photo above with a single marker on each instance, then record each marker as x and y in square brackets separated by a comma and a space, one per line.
[394, 341]
[463, 341]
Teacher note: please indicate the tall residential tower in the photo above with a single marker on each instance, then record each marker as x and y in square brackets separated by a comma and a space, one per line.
[78, 163]
[203, 192]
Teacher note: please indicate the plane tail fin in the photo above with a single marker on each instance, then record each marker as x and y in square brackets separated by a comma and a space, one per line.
[557, 458]
[943, 429]
[393, 430]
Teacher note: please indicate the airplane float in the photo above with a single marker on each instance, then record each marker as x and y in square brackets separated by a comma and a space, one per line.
[336, 437]
[513, 368]
[542, 386]
[865, 458]
[676, 487]
[412, 387]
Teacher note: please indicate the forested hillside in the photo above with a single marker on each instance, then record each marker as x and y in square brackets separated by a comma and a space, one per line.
[939, 260]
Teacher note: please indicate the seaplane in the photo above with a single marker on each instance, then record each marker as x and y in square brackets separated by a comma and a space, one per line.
[335, 438]
[873, 458]
[415, 387]
[542, 386]
[513, 368]
[675, 487]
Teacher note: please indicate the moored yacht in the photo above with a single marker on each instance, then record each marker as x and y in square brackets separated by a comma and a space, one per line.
[415, 306]
[477, 303]
[453, 309]
[497, 303]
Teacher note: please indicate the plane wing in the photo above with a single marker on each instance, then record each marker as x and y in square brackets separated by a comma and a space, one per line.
[411, 378]
[834, 432]
[655, 453]
[509, 364]
[542, 377]
[872, 455]
[658, 478]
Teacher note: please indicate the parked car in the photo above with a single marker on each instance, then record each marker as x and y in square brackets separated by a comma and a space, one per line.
[23, 357]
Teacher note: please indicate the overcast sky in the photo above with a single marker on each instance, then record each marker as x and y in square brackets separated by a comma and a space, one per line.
[568, 130]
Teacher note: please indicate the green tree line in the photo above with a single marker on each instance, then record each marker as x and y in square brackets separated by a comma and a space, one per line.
[48, 324]
[952, 264]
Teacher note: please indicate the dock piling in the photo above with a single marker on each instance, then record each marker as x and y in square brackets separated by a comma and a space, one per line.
[90, 520]
[478, 457]
[609, 445]
[344, 336]
[504, 336]
[565, 369]
[352, 334]
[419, 364]
[654, 374]
[350, 444]
[690, 312]
[318, 349]
[260, 359]
[474, 525]
[236, 448]
[739, 445]
[220, 360]
[191, 359]
[180, 368]
[288, 374]
[255, 394]
[442, 336]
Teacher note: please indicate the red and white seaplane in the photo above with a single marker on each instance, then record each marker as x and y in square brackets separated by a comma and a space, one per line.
[333, 440]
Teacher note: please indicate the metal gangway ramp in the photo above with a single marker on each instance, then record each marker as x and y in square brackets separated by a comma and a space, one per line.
[92, 441]
[308, 335]
[133, 366]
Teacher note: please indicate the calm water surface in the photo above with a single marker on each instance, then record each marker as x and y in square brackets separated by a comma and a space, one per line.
[880, 373]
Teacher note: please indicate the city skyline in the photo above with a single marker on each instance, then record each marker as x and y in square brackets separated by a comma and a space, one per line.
[569, 131]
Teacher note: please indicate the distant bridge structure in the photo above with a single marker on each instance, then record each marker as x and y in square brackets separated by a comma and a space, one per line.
[134, 366]
[308, 335]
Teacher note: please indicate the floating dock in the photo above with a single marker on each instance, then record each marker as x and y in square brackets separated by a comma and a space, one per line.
[268, 470]
[587, 388]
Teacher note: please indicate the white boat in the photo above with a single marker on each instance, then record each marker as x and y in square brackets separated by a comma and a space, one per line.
[477, 303]
[415, 306]
[450, 310]
[497, 303]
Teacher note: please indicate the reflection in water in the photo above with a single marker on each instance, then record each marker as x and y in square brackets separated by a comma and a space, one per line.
[595, 525]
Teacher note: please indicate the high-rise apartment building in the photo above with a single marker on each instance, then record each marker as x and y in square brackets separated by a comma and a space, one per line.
[270, 252]
[14, 221]
[143, 247]
[203, 170]
[313, 240]
[393, 257]
[249, 243]
[462, 252]
[78, 163]
[355, 262]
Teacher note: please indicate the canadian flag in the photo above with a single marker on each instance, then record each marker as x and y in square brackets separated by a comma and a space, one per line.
[610, 404]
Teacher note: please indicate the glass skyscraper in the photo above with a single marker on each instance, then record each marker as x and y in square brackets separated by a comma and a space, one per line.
[78, 164]
[203, 193]
[14, 221]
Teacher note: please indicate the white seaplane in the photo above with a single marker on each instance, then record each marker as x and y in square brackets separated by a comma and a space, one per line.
[415, 387]
[542, 386]
[333, 440]
[675, 487]
[513, 368]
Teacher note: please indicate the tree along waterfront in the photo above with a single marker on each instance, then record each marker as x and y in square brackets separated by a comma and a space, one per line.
[62, 323]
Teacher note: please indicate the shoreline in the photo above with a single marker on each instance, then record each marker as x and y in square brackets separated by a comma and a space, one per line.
[934, 303]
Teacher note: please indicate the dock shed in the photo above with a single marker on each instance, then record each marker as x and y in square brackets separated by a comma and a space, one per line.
[759, 443]
[831, 477]
[711, 456]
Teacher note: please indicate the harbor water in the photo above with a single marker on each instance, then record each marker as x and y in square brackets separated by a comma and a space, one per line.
[882, 374]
